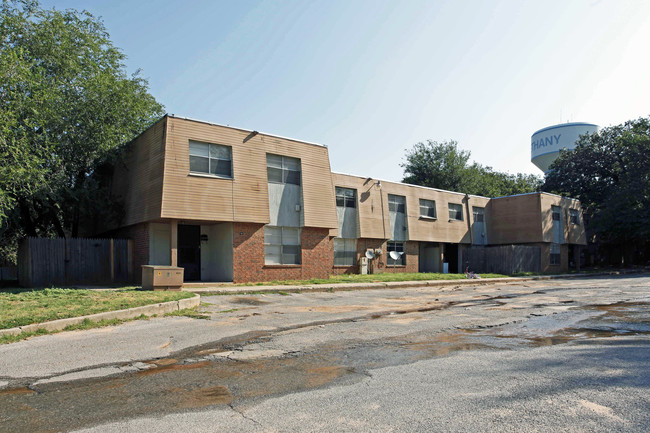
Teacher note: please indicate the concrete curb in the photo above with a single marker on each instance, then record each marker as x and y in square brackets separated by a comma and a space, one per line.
[242, 290]
[129, 313]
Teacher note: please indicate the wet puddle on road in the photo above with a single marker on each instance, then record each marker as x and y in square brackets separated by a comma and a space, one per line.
[576, 324]
[203, 376]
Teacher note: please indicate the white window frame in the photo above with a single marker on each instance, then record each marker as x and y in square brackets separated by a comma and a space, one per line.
[453, 218]
[346, 196]
[400, 247]
[287, 167]
[212, 148]
[346, 249]
[278, 244]
[574, 216]
[428, 205]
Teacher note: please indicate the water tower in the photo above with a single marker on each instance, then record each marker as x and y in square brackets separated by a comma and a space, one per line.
[545, 144]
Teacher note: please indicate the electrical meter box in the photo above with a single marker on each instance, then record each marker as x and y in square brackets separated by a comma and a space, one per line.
[162, 277]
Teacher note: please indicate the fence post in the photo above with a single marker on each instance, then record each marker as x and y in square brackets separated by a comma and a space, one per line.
[129, 259]
[112, 262]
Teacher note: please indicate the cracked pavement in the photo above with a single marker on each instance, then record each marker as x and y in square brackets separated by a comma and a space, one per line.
[557, 354]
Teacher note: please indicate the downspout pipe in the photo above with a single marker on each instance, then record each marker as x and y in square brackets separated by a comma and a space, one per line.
[469, 223]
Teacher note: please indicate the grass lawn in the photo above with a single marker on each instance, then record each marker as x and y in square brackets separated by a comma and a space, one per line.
[371, 278]
[24, 307]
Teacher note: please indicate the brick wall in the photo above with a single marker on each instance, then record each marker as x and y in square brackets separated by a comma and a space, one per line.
[248, 255]
[379, 264]
[412, 253]
[317, 253]
[248, 252]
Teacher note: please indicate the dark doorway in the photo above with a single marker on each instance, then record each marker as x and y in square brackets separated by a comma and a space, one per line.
[429, 259]
[450, 255]
[189, 251]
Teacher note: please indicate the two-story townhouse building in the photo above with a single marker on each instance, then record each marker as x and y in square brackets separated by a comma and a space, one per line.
[549, 221]
[229, 204]
[429, 226]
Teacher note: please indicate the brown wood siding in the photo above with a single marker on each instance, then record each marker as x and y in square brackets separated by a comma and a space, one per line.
[573, 234]
[245, 197]
[372, 222]
[138, 180]
[515, 219]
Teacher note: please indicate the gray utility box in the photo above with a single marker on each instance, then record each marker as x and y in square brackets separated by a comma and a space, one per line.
[162, 277]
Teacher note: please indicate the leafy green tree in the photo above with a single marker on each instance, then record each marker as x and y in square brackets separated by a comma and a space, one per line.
[67, 108]
[436, 165]
[442, 165]
[610, 173]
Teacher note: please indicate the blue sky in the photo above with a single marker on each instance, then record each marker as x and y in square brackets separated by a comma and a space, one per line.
[371, 78]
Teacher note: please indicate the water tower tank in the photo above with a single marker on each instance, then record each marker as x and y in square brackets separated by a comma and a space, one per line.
[545, 144]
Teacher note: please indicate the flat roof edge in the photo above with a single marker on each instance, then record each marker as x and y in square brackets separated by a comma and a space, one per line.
[538, 193]
[410, 184]
[173, 116]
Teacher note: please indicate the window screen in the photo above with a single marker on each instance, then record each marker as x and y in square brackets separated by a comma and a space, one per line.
[427, 208]
[574, 216]
[556, 257]
[398, 247]
[455, 212]
[283, 169]
[346, 197]
[345, 252]
[210, 158]
[396, 203]
[281, 245]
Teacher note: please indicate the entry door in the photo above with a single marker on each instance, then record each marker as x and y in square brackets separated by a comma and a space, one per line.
[429, 260]
[478, 227]
[189, 251]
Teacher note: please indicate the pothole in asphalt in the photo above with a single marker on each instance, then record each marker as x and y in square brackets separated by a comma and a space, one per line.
[248, 300]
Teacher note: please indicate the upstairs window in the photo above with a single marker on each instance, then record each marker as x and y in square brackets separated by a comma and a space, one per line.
[574, 216]
[479, 214]
[455, 212]
[213, 159]
[346, 197]
[556, 213]
[396, 203]
[283, 169]
[427, 208]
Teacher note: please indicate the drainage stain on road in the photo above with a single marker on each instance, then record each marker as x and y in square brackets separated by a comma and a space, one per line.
[205, 376]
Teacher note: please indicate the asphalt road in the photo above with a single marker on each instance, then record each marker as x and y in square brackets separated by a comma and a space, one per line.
[559, 355]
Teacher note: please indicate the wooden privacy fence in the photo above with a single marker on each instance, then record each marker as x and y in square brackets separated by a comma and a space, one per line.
[505, 259]
[44, 262]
